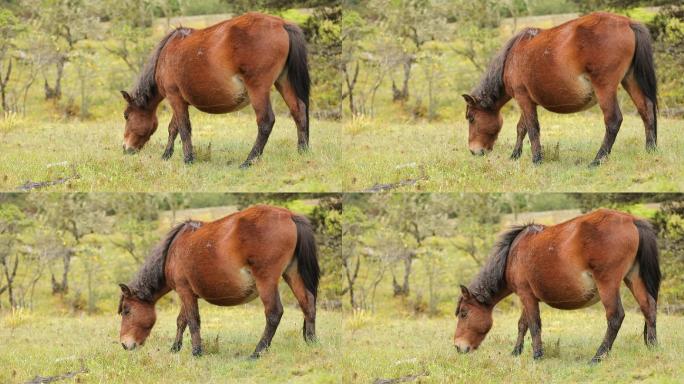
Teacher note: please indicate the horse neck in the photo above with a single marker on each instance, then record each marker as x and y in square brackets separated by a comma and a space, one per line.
[161, 293]
[154, 102]
[504, 292]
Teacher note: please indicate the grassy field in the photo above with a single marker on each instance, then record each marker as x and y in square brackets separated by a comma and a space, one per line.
[41, 151]
[435, 157]
[353, 348]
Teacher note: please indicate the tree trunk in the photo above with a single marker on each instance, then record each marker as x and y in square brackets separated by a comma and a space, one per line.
[351, 84]
[404, 288]
[91, 296]
[3, 84]
[9, 276]
[403, 93]
[56, 92]
[63, 286]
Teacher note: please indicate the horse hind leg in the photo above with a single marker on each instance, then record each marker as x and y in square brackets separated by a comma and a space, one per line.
[612, 117]
[306, 300]
[273, 310]
[648, 307]
[259, 95]
[297, 110]
[646, 110]
[615, 313]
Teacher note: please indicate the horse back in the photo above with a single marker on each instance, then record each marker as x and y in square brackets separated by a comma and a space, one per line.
[601, 240]
[561, 264]
[576, 56]
[221, 260]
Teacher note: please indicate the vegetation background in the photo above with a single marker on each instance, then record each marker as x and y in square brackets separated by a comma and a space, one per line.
[391, 266]
[405, 65]
[63, 62]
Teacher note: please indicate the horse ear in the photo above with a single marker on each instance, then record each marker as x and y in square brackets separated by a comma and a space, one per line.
[125, 290]
[469, 99]
[126, 96]
[465, 292]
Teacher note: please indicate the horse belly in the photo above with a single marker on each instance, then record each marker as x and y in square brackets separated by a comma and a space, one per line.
[232, 289]
[568, 94]
[570, 291]
[219, 95]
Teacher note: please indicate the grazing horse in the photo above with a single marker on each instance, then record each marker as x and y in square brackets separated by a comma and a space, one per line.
[221, 69]
[566, 69]
[567, 266]
[226, 262]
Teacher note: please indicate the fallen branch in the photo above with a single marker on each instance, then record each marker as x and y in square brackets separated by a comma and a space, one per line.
[386, 187]
[51, 379]
[29, 185]
[403, 379]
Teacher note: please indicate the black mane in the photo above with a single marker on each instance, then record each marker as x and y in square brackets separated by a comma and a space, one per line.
[146, 87]
[492, 277]
[151, 278]
[491, 87]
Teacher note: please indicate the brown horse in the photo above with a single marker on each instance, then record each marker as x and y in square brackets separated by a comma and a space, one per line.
[567, 266]
[226, 262]
[222, 69]
[566, 69]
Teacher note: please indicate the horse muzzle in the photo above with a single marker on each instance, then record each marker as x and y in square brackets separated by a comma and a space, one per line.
[129, 150]
[478, 152]
[463, 350]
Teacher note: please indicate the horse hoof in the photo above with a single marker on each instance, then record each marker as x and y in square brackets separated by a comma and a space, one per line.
[538, 355]
[515, 155]
[595, 163]
[175, 347]
[303, 148]
[189, 160]
[246, 164]
[516, 351]
[595, 360]
[167, 155]
[254, 356]
[197, 351]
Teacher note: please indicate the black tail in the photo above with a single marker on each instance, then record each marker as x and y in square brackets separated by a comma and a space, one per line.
[644, 68]
[647, 257]
[306, 254]
[298, 66]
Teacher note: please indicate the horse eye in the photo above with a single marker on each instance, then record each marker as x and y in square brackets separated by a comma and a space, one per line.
[126, 116]
[463, 314]
[471, 119]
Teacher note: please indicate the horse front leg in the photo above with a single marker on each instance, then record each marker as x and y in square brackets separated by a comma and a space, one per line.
[531, 312]
[522, 132]
[528, 123]
[181, 324]
[522, 330]
[192, 318]
[181, 123]
[173, 133]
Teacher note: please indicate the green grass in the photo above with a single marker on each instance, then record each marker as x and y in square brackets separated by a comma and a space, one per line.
[437, 154]
[352, 348]
[93, 149]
